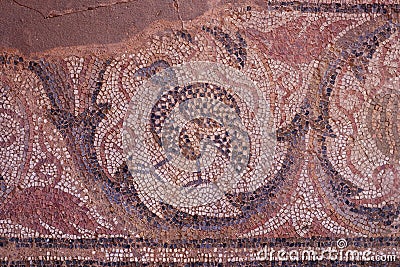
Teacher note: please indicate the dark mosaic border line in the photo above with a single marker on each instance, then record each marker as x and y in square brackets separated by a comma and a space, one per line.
[88, 263]
[320, 242]
[335, 7]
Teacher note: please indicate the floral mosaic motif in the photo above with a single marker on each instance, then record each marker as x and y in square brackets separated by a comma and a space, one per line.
[260, 125]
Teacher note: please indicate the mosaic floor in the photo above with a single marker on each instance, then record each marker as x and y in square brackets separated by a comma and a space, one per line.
[250, 135]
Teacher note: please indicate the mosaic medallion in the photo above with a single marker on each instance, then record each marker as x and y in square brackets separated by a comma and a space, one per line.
[195, 136]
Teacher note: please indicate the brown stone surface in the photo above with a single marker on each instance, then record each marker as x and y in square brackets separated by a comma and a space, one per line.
[34, 26]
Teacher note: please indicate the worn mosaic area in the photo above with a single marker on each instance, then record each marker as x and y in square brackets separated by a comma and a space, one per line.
[223, 139]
